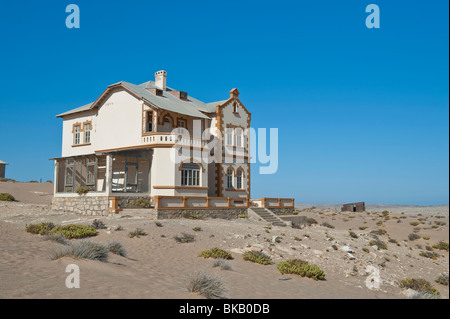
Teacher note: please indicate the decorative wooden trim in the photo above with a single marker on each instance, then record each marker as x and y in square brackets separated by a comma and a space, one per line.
[181, 187]
[228, 168]
[240, 169]
[87, 122]
[235, 190]
[163, 115]
[191, 160]
[77, 124]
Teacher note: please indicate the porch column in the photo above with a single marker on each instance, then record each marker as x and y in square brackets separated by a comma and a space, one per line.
[108, 174]
[55, 181]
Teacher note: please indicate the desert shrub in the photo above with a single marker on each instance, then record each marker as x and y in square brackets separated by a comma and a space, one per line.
[412, 237]
[366, 250]
[32, 181]
[378, 232]
[184, 238]
[380, 244]
[426, 237]
[116, 248]
[362, 227]
[141, 202]
[442, 245]
[158, 224]
[385, 213]
[393, 241]
[301, 268]
[57, 238]
[206, 285]
[82, 190]
[418, 284]
[137, 233]
[216, 253]
[191, 215]
[379, 223]
[7, 197]
[311, 221]
[242, 216]
[83, 249]
[40, 229]
[429, 254]
[442, 280]
[119, 228]
[297, 238]
[98, 224]
[352, 234]
[257, 257]
[197, 229]
[326, 224]
[414, 223]
[222, 263]
[439, 223]
[72, 231]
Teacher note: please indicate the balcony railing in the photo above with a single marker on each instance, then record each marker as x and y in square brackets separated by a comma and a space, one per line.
[161, 138]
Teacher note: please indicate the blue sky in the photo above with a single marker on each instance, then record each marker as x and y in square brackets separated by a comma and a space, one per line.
[362, 113]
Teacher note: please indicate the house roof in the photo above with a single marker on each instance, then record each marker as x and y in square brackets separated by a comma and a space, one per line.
[167, 101]
[1, 162]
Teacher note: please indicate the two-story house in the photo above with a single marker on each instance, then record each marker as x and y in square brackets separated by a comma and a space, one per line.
[121, 147]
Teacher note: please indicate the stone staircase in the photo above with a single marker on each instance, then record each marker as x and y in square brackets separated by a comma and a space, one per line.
[268, 216]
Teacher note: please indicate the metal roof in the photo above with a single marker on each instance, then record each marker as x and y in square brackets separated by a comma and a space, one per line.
[167, 101]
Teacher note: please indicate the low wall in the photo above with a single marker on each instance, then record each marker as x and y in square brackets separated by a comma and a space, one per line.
[84, 205]
[295, 220]
[282, 210]
[228, 213]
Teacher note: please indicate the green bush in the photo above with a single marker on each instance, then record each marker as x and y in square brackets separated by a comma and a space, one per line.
[137, 233]
[257, 257]
[414, 223]
[442, 245]
[141, 202]
[72, 231]
[301, 268]
[40, 229]
[429, 254]
[215, 253]
[418, 284]
[442, 279]
[380, 244]
[82, 190]
[184, 238]
[352, 234]
[7, 197]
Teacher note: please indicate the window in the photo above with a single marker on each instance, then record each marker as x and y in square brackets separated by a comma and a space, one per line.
[229, 178]
[182, 123]
[87, 133]
[238, 137]
[235, 107]
[166, 120]
[77, 133]
[229, 136]
[190, 174]
[239, 179]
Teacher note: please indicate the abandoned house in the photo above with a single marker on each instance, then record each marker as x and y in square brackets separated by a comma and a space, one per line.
[118, 148]
[354, 207]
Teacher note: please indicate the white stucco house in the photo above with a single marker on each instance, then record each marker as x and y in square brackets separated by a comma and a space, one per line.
[119, 147]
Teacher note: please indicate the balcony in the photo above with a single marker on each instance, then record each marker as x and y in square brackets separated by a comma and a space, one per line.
[163, 139]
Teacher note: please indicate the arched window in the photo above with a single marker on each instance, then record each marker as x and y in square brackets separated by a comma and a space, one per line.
[239, 175]
[229, 178]
[190, 174]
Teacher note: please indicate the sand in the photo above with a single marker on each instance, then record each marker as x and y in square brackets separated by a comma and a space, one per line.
[158, 267]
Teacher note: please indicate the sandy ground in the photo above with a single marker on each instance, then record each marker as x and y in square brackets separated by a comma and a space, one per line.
[158, 267]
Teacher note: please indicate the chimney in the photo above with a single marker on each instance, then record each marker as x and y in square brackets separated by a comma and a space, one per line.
[160, 79]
